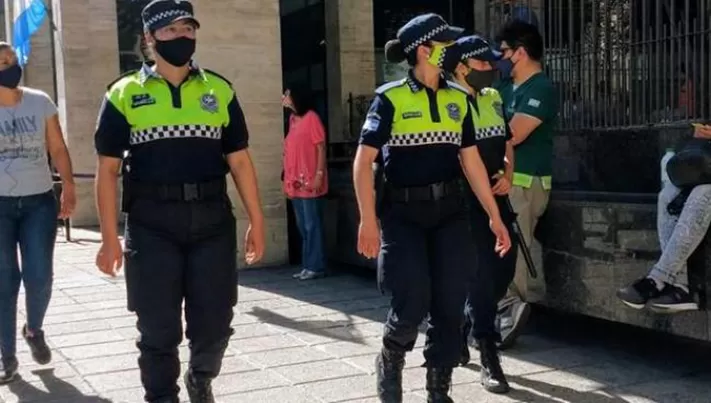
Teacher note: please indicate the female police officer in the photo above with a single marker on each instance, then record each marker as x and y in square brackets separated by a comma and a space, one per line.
[422, 125]
[492, 273]
[183, 129]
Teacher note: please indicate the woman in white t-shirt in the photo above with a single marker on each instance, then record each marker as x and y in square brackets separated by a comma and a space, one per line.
[29, 130]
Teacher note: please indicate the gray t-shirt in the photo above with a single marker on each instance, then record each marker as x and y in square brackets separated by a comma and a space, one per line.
[24, 169]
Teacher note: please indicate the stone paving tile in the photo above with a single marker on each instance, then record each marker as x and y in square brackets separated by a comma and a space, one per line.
[311, 342]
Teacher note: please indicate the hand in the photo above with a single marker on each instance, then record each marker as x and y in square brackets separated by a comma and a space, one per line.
[254, 244]
[67, 201]
[316, 183]
[109, 259]
[369, 238]
[502, 186]
[503, 241]
[703, 132]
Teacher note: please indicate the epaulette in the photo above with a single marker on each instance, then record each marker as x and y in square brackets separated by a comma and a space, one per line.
[388, 86]
[454, 85]
[122, 76]
[218, 76]
[491, 92]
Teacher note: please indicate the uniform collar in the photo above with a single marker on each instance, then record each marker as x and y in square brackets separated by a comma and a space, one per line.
[147, 72]
[415, 85]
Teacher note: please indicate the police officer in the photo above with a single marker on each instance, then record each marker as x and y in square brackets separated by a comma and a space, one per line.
[423, 126]
[492, 273]
[182, 130]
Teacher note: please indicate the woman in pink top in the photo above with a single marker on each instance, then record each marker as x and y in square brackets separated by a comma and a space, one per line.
[305, 179]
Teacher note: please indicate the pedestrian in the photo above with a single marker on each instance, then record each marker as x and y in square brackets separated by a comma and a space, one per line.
[531, 110]
[492, 273]
[683, 220]
[422, 124]
[177, 130]
[29, 130]
[305, 177]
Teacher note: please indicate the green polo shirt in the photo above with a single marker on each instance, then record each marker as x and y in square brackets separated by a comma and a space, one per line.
[535, 97]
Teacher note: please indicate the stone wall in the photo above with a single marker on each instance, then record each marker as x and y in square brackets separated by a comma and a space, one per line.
[350, 55]
[86, 59]
[241, 41]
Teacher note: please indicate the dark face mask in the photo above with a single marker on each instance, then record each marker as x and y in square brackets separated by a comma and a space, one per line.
[11, 76]
[177, 52]
[480, 79]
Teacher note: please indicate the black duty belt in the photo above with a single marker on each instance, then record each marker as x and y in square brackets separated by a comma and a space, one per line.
[433, 192]
[187, 192]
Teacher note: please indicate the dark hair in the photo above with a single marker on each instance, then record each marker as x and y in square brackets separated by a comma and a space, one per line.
[517, 33]
[302, 98]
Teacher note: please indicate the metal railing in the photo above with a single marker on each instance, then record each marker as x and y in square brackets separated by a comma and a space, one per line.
[619, 63]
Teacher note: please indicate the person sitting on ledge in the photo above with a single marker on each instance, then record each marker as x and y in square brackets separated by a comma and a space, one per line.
[666, 288]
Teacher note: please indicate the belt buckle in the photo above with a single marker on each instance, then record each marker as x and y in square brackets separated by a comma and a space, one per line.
[437, 191]
[190, 192]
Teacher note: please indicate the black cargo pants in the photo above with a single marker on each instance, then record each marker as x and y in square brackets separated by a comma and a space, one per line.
[490, 274]
[180, 252]
[424, 261]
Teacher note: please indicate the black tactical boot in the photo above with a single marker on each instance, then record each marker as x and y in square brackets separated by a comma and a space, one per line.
[492, 376]
[439, 381]
[199, 390]
[388, 369]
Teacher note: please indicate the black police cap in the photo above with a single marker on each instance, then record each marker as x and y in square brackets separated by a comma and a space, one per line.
[161, 13]
[476, 47]
[425, 28]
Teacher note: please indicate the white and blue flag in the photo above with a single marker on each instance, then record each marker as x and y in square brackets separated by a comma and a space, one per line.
[28, 16]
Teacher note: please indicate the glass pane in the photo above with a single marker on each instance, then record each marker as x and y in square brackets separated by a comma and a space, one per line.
[130, 33]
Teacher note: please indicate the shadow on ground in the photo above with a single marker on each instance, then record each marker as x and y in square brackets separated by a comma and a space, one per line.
[57, 390]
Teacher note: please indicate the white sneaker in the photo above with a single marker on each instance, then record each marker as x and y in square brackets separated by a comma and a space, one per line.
[298, 275]
[311, 275]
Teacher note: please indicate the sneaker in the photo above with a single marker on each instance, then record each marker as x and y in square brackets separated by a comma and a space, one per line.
[311, 275]
[638, 293]
[38, 346]
[8, 371]
[298, 275]
[513, 320]
[673, 299]
[199, 391]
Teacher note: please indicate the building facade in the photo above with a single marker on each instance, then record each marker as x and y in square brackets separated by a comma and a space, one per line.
[631, 76]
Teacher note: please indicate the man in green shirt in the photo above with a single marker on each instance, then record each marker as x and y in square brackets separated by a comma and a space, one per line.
[531, 109]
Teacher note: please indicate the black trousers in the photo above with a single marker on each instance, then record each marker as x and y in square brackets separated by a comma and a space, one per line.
[490, 273]
[424, 261]
[180, 252]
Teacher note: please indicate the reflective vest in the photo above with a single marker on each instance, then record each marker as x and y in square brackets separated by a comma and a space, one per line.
[489, 121]
[412, 120]
[205, 97]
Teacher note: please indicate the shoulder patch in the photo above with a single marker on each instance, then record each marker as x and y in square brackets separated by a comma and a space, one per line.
[388, 86]
[454, 85]
[218, 76]
[121, 77]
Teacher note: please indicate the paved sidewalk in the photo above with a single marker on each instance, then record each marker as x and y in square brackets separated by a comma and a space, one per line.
[315, 342]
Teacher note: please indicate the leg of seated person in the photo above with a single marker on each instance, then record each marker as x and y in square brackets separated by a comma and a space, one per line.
[670, 272]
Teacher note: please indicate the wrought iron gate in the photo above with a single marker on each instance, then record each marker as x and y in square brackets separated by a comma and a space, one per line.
[619, 63]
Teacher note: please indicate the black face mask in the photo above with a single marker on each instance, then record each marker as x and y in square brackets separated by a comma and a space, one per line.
[11, 76]
[480, 79]
[177, 52]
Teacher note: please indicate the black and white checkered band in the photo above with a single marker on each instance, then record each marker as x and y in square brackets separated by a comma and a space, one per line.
[427, 138]
[426, 37]
[474, 53]
[175, 132]
[164, 15]
[489, 132]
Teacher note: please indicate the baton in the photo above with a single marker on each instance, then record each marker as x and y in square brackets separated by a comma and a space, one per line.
[522, 242]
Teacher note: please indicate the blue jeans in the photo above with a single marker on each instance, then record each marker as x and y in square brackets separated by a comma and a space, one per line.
[29, 222]
[309, 219]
